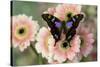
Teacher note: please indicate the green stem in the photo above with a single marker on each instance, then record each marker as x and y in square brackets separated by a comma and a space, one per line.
[40, 59]
[34, 50]
[38, 55]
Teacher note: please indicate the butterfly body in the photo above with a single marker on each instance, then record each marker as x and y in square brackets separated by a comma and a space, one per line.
[67, 27]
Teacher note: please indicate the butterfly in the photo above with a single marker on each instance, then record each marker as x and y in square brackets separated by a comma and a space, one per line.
[68, 27]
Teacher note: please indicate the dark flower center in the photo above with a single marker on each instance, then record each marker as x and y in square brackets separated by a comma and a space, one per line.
[69, 15]
[65, 44]
[21, 31]
[82, 42]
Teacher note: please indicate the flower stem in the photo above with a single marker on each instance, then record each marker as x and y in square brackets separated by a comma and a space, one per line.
[34, 50]
[39, 57]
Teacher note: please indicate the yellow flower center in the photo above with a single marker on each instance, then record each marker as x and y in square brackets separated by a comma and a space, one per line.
[22, 32]
[47, 40]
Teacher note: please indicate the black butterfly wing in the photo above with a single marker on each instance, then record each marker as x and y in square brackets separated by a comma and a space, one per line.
[76, 19]
[73, 24]
[54, 24]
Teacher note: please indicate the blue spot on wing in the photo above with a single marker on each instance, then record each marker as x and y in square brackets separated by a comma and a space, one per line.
[69, 24]
[73, 19]
[58, 24]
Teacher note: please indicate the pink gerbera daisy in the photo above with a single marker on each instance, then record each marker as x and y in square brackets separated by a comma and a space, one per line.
[42, 41]
[62, 10]
[23, 31]
[63, 52]
[87, 40]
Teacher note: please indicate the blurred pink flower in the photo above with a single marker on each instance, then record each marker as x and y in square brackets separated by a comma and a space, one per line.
[87, 40]
[62, 10]
[23, 31]
[42, 41]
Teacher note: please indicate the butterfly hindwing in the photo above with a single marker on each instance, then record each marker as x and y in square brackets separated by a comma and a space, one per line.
[54, 24]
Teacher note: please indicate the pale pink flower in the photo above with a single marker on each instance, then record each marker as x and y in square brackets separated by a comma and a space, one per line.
[42, 41]
[86, 45]
[23, 31]
[87, 40]
[62, 10]
[62, 54]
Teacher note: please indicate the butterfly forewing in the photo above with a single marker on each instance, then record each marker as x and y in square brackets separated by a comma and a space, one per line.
[76, 19]
[54, 24]
[73, 24]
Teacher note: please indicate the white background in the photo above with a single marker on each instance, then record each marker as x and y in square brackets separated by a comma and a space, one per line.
[5, 33]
